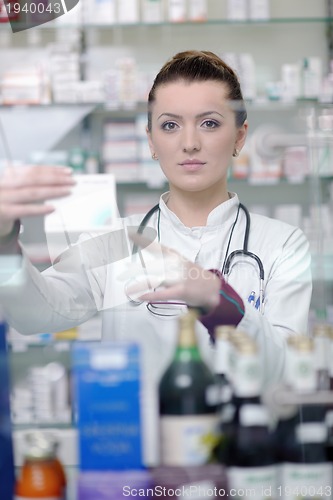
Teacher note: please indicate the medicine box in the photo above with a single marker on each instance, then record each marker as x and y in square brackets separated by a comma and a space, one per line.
[107, 386]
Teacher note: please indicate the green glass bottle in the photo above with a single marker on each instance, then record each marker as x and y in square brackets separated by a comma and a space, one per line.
[188, 418]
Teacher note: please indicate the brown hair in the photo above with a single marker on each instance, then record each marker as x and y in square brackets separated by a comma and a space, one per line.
[196, 65]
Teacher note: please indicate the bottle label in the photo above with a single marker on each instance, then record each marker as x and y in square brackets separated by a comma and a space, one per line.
[252, 482]
[247, 377]
[36, 498]
[187, 440]
[303, 481]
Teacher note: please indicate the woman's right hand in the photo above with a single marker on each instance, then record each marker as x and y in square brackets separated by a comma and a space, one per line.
[24, 189]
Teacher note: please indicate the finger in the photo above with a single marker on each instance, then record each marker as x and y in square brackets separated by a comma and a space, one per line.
[37, 175]
[175, 292]
[32, 194]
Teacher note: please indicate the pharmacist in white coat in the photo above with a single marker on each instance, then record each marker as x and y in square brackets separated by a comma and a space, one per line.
[263, 288]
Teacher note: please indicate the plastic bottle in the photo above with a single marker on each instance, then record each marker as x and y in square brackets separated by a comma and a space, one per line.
[42, 476]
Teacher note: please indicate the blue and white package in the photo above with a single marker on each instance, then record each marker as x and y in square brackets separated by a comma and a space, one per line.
[6, 449]
[107, 389]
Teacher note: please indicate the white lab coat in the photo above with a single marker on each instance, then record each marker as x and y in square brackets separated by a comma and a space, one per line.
[59, 299]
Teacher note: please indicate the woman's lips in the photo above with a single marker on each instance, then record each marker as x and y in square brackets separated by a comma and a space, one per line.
[192, 165]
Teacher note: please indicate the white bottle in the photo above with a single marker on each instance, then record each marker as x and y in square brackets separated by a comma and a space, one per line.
[311, 77]
[152, 11]
[99, 12]
[259, 10]
[197, 10]
[128, 11]
[177, 11]
[237, 10]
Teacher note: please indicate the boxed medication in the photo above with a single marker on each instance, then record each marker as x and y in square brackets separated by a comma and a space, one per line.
[107, 389]
[90, 208]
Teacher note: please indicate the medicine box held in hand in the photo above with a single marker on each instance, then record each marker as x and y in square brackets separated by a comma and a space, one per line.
[107, 392]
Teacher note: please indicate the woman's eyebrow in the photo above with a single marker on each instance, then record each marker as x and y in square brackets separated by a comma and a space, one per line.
[200, 115]
[208, 113]
[169, 115]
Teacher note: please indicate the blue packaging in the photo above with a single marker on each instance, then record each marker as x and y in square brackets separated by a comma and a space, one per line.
[107, 387]
[7, 476]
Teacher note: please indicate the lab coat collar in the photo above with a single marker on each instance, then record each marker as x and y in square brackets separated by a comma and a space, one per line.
[221, 214]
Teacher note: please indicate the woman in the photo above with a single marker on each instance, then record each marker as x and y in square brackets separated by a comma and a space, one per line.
[195, 126]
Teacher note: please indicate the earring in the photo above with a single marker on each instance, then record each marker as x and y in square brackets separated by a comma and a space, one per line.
[235, 153]
[154, 156]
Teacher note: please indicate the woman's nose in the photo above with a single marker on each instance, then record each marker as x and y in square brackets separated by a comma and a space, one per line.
[191, 142]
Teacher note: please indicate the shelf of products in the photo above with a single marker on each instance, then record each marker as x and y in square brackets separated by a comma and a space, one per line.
[276, 411]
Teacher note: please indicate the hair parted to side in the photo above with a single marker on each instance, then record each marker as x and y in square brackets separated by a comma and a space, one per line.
[199, 66]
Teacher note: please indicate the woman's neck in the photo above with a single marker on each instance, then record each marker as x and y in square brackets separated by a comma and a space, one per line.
[193, 209]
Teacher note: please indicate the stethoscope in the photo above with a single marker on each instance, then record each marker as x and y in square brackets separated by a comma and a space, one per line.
[228, 258]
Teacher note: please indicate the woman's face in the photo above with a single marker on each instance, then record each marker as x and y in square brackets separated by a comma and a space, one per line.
[194, 134]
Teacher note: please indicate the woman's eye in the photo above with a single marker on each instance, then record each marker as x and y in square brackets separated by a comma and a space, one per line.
[169, 126]
[210, 124]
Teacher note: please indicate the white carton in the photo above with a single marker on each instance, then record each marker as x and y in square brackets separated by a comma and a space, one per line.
[91, 207]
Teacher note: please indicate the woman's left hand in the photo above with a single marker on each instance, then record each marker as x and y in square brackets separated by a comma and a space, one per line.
[169, 276]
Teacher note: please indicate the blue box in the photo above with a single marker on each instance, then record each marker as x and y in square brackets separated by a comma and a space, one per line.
[107, 387]
[7, 476]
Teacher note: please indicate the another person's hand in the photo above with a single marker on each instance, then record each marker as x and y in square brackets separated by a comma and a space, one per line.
[172, 277]
[24, 189]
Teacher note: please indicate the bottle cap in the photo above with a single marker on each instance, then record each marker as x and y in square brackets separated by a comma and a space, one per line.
[39, 450]
[187, 334]
[40, 444]
[238, 336]
[246, 346]
[322, 330]
[293, 340]
[224, 332]
[305, 344]
[189, 318]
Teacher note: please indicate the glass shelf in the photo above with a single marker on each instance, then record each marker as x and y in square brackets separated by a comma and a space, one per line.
[141, 107]
[224, 22]
[210, 22]
[43, 425]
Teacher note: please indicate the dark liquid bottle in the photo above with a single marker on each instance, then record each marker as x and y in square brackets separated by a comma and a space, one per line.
[306, 473]
[246, 379]
[222, 364]
[322, 340]
[252, 461]
[187, 419]
[302, 381]
[329, 412]
[223, 335]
